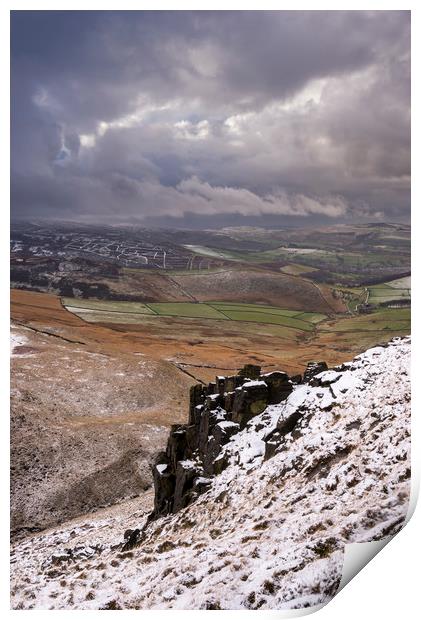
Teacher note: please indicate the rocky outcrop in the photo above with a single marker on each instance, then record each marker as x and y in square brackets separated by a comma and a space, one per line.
[313, 369]
[216, 413]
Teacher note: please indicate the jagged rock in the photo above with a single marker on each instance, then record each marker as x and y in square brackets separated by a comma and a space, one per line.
[250, 371]
[296, 379]
[197, 397]
[164, 484]
[286, 425]
[213, 449]
[192, 440]
[328, 377]
[272, 444]
[132, 540]
[276, 437]
[213, 401]
[229, 401]
[233, 382]
[204, 429]
[201, 484]
[217, 412]
[176, 444]
[220, 463]
[186, 472]
[230, 383]
[279, 386]
[197, 414]
[313, 368]
[221, 434]
[211, 389]
[209, 418]
[220, 385]
[250, 400]
[223, 431]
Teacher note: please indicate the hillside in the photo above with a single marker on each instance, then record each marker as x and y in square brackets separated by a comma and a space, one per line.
[88, 413]
[267, 534]
[262, 287]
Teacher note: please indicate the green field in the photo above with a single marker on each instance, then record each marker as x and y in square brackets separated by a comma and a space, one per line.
[227, 306]
[261, 317]
[312, 317]
[186, 309]
[108, 306]
[95, 311]
[389, 319]
[395, 290]
[381, 293]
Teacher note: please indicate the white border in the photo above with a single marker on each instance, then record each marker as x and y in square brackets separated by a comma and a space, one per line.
[387, 586]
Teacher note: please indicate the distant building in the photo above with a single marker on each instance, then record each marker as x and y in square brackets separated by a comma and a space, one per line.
[403, 303]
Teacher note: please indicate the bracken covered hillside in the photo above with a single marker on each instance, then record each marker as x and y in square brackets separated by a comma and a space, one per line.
[268, 533]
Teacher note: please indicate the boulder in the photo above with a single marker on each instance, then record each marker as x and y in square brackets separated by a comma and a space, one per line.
[132, 540]
[201, 484]
[213, 401]
[221, 434]
[164, 485]
[250, 371]
[223, 431]
[233, 382]
[220, 463]
[186, 472]
[197, 414]
[220, 385]
[176, 444]
[197, 397]
[211, 389]
[313, 368]
[192, 441]
[279, 386]
[272, 444]
[250, 400]
[325, 379]
[286, 425]
[229, 401]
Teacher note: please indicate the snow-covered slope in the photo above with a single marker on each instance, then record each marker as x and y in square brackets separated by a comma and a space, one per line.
[268, 534]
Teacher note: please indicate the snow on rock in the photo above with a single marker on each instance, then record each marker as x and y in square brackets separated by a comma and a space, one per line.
[268, 534]
[254, 383]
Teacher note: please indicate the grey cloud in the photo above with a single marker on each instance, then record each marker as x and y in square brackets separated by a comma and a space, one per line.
[140, 199]
[295, 113]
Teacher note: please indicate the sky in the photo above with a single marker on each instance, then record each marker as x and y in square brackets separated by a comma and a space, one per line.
[210, 119]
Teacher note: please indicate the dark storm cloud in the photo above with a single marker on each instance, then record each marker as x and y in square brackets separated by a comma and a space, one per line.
[127, 115]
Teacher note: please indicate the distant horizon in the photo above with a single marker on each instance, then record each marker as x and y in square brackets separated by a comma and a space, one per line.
[57, 221]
